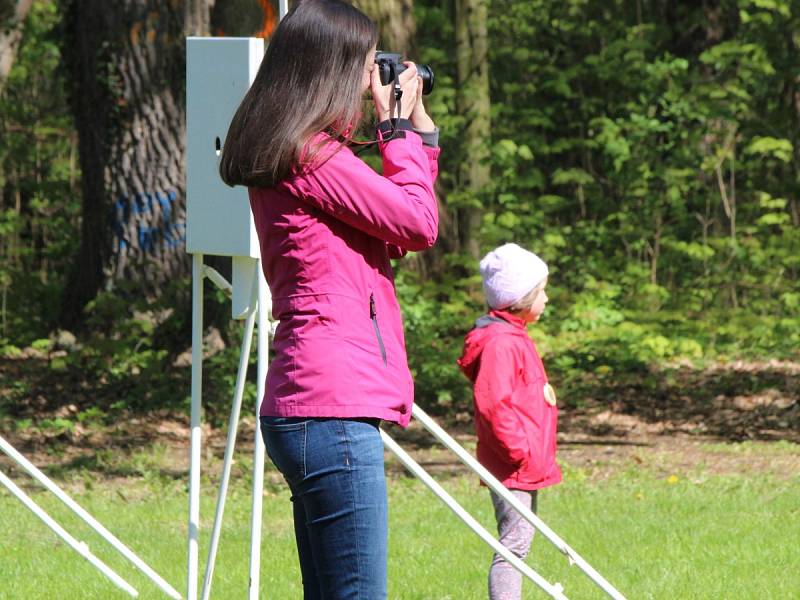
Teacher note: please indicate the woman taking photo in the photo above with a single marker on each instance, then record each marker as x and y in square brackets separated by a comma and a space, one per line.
[328, 225]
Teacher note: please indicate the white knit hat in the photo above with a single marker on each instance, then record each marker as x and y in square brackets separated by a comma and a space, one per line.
[509, 273]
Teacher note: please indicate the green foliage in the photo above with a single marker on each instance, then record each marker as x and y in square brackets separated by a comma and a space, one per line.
[655, 171]
[435, 320]
[120, 357]
[40, 198]
[648, 152]
[124, 364]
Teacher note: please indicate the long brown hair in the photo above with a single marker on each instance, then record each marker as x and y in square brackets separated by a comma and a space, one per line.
[309, 81]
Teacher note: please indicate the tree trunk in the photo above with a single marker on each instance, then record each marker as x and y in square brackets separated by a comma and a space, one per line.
[395, 20]
[472, 103]
[12, 21]
[127, 71]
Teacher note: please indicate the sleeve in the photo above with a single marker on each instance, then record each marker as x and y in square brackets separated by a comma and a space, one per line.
[394, 128]
[495, 388]
[398, 207]
[433, 161]
[429, 138]
[395, 251]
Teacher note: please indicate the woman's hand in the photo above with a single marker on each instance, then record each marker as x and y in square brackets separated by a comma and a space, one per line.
[383, 95]
[419, 116]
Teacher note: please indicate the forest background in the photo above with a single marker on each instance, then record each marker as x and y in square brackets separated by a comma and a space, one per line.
[646, 149]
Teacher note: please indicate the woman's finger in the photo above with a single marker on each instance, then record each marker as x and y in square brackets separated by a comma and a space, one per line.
[408, 74]
[381, 95]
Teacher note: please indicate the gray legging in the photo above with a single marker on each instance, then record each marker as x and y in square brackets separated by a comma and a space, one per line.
[516, 534]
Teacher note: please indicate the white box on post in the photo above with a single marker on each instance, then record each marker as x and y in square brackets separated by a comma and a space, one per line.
[218, 73]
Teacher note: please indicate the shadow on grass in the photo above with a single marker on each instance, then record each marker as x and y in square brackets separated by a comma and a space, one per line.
[125, 467]
[603, 442]
[742, 401]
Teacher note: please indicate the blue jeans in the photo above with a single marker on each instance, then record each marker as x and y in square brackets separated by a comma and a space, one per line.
[334, 468]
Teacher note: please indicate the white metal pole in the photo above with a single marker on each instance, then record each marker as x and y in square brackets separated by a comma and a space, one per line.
[500, 489]
[283, 8]
[34, 472]
[233, 425]
[264, 310]
[554, 590]
[80, 547]
[194, 452]
[218, 280]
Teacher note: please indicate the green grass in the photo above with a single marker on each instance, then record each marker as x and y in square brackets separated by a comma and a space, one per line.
[699, 537]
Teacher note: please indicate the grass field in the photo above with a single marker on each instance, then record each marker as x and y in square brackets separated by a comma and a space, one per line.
[689, 534]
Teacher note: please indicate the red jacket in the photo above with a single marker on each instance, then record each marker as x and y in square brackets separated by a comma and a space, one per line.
[515, 423]
[326, 235]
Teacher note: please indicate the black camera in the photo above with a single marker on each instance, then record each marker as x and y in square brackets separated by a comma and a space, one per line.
[390, 65]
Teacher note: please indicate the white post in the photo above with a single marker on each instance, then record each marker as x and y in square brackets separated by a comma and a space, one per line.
[219, 221]
[555, 591]
[194, 453]
[500, 489]
[264, 329]
[80, 547]
[233, 425]
[34, 472]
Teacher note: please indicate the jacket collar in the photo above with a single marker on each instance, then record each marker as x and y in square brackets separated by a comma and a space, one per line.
[509, 318]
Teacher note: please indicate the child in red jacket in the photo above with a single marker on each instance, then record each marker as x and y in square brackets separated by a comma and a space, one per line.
[515, 407]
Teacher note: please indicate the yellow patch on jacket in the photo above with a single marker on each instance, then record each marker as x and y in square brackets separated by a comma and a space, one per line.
[549, 394]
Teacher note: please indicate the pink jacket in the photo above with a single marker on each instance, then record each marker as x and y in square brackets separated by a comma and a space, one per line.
[515, 424]
[326, 236]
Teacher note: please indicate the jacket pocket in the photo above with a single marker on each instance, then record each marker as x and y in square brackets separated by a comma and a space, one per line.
[534, 418]
[373, 315]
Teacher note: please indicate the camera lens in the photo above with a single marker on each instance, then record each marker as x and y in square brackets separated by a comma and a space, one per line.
[423, 71]
[426, 73]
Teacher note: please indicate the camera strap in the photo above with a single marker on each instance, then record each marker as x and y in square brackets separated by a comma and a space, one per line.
[398, 97]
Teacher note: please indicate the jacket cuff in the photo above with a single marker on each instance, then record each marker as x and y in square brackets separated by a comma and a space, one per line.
[429, 138]
[393, 128]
